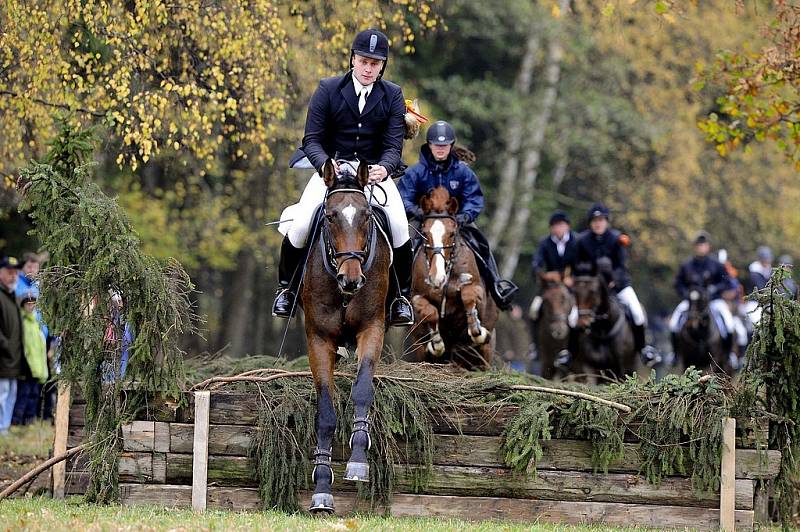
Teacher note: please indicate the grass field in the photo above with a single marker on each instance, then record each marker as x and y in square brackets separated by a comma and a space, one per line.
[44, 514]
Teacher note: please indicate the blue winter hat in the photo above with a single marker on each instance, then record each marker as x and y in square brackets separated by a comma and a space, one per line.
[30, 294]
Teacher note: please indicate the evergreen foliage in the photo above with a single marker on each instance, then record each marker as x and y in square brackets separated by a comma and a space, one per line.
[97, 281]
[773, 367]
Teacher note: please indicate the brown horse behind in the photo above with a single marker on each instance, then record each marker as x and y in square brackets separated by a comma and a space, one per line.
[554, 320]
[344, 304]
[454, 313]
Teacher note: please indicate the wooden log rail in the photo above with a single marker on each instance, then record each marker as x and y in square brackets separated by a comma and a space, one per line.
[468, 477]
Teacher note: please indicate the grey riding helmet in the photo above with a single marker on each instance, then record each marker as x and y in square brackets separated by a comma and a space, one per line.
[441, 133]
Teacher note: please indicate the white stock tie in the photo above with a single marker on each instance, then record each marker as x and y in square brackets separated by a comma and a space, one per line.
[362, 100]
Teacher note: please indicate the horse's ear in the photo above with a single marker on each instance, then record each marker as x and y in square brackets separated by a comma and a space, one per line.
[452, 205]
[362, 174]
[328, 173]
[425, 203]
[567, 273]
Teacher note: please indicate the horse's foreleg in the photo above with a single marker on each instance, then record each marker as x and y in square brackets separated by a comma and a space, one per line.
[428, 314]
[473, 295]
[370, 344]
[322, 355]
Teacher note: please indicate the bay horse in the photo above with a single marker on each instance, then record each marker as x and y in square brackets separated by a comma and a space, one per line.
[699, 342]
[343, 297]
[454, 313]
[556, 316]
[604, 335]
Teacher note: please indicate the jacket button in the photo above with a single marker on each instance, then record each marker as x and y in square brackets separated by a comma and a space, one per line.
[359, 124]
[357, 138]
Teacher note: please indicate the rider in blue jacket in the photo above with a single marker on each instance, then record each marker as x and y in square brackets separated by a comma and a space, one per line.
[439, 166]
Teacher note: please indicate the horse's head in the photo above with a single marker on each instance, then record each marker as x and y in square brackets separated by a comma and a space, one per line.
[557, 303]
[698, 307]
[439, 227]
[348, 222]
[590, 295]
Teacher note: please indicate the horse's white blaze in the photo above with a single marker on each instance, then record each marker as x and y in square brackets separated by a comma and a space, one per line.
[437, 271]
[349, 213]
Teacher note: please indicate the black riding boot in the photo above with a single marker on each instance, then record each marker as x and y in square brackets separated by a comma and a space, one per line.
[288, 280]
[502, 290]
[401, 314]
[649, 355]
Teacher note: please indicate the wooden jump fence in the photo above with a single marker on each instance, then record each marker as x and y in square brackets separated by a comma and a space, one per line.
[167, 460]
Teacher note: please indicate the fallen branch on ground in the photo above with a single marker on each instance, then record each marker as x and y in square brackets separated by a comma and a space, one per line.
[39, 469]
[249, 377]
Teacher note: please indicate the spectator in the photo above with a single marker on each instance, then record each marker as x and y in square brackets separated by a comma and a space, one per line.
[761, 270]
[31, 262]
[788, 284]
[35, 347]
[12, 361]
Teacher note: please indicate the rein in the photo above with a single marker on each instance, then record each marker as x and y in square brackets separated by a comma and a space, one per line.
[338, 258]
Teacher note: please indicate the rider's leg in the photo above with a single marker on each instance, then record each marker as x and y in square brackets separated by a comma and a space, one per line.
[720, 308]
[502, 290]
[297, 219]
[677, 316]
[401, 313]
[650, 356]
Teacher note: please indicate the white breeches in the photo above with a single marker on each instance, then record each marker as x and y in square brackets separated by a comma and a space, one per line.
[296, 219]
[628, 298]
[721, 313]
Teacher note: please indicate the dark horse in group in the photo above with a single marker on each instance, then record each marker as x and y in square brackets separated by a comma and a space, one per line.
[454, 313]
[552, 325]
[343, 297]
[604, 340]
[699, 342]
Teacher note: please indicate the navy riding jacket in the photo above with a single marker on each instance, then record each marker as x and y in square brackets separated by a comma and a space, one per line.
[702, 272]
[547, 258]
[458, 178]
[592, 247]
[335, 128]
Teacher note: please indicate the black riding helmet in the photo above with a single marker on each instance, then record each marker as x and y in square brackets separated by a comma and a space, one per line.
[373, 44]
[441, 133]
[598, 210]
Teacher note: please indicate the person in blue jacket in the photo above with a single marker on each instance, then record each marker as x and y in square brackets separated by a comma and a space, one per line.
[438, 166]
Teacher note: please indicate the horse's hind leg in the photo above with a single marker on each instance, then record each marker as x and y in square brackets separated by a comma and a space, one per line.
[370, 343]
[322, 354]
[473, 295]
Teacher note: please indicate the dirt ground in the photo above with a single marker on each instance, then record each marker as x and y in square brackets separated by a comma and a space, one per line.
[21, 450]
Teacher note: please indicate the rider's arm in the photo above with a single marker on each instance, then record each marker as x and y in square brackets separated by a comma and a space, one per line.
[472, 198]
[316, 120]
[681, 285]
[407, 186]
[394, 132]
[539, 264]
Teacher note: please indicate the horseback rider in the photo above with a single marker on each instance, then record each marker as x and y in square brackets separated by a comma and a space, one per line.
[357, 116]
[556, 254]
[438, 166]
[761, 270]
[600, 245]
[706, 272]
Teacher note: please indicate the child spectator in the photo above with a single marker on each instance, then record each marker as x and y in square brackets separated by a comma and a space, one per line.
[29, 389]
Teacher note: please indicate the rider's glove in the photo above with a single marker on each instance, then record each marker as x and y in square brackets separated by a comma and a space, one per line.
[462, 218]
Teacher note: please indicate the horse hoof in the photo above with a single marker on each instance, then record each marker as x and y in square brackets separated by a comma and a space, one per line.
[357, 472]
[435, 348]
[321, 504]
[481, 338]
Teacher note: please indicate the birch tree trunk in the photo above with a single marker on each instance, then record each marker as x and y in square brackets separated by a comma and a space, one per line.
[508, 176]
[516, 228]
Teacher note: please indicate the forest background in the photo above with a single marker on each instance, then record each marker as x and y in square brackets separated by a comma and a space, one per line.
[653, 107]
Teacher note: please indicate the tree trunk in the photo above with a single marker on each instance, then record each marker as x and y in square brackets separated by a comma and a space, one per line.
[515, 233]
[236, 329]
[508, 176]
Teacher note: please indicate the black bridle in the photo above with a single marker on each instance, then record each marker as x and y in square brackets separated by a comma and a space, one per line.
[336, 257]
